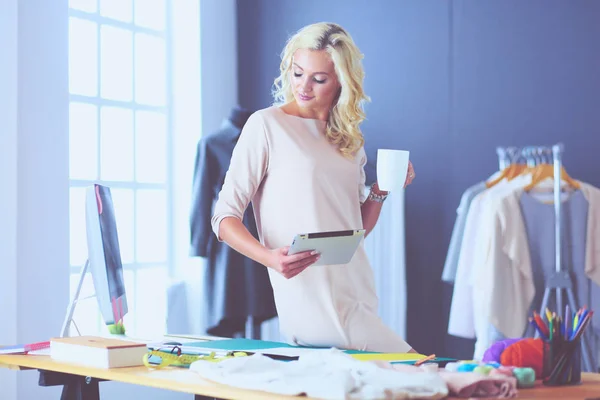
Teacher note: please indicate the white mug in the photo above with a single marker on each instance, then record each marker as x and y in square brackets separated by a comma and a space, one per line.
[392, 167]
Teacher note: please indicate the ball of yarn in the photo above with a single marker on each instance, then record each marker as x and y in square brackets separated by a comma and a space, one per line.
[493, 353]
[525, 377]
[525, 353]
[483, 369]
[467, 367]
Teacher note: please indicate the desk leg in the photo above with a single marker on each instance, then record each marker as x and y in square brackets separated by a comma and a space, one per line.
[75, 387]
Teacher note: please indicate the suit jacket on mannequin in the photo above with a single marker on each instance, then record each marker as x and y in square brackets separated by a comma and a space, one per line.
[235, 286]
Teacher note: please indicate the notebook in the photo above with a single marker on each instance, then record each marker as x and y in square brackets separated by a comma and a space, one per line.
[24, 348]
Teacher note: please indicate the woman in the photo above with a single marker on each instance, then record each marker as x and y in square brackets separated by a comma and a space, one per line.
[301, 163]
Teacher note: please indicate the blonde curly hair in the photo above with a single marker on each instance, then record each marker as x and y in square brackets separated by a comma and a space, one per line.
[347, 111]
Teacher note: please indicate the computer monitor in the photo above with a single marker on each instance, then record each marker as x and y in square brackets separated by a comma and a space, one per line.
[104, 259]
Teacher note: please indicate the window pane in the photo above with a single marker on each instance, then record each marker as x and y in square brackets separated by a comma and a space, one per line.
[83, 141]
[83, 57]
[117, 9]
[90, 6]
[150, 14]
[116, 59]
[151, 226]
[150, 147]
[123, 204]
[129, 320]
[86, 315]
[117, 144]
[150, 70]
[77, 228]
[151, 302]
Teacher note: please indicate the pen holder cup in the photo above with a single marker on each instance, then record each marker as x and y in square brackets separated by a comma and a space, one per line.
[562, 363]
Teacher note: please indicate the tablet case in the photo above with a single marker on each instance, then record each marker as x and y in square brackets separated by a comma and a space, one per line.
[336, 247]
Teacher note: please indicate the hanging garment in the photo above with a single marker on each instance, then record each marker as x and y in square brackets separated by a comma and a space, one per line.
[235, 286]
[506, 280]
[539, 223]
[461, 322]
[451, 264]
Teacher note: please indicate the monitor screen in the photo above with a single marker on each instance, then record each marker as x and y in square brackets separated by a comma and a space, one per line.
[104, 254]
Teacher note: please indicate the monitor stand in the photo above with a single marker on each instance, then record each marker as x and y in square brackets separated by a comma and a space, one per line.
[65, 331]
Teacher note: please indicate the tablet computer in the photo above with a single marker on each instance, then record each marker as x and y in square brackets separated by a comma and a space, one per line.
[336, 247]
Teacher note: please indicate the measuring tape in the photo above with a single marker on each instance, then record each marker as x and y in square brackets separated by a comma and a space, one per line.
[158, 359]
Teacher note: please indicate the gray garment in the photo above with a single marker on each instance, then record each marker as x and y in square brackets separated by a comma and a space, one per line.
[235, 286]
[451, 264]
[539, 219]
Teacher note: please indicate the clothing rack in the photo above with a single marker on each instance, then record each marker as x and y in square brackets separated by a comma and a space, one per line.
[561, 279]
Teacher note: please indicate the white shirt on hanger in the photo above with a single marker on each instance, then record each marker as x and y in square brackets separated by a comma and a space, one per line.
[462, 311]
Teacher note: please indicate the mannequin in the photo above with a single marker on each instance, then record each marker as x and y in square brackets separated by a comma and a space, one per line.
[238, 293]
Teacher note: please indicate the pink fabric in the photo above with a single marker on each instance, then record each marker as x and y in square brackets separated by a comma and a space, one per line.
[471, 384]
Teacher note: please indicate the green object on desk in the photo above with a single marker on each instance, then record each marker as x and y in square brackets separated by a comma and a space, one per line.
[525, 377]
[117, 329]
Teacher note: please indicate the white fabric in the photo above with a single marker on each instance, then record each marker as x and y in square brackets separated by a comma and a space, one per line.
[462, 321]
[329, 374]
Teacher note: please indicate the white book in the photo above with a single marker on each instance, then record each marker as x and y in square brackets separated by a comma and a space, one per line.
[99, 352]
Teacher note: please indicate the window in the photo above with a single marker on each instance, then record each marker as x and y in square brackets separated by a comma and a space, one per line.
[120, 136]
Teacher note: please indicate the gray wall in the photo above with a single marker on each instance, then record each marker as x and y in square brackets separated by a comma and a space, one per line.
[450, 81]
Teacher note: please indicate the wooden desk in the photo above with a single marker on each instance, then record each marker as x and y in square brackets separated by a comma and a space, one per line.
[175, 379]
[183, 380]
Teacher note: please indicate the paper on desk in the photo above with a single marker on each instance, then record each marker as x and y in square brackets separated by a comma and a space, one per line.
[390, 357]
[42, 352]
[286, 351]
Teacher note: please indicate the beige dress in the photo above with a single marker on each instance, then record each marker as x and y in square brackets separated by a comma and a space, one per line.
[298, 182]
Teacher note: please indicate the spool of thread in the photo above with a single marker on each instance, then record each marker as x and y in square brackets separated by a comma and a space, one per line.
[452, 366]
[429, 367]
[467, 367]
[525, 353]
[483, 369]
[525, 377]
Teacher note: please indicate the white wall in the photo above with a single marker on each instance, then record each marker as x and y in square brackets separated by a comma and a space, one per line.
[8, 185]
[42, 178]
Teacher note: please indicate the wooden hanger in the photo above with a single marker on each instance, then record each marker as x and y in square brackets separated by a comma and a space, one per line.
[510, 172]
[546, 171]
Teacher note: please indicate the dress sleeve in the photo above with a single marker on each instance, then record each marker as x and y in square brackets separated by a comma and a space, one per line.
[248, 167]
[362, 177]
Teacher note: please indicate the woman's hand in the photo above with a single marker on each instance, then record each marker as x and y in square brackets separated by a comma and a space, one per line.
[410, 175]
[291, 265]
